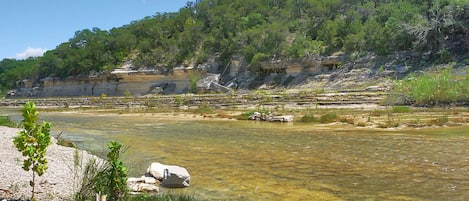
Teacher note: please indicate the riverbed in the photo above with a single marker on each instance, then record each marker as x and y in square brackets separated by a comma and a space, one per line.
[244, 160]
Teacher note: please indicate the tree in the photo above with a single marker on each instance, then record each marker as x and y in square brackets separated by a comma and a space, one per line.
[32, 142]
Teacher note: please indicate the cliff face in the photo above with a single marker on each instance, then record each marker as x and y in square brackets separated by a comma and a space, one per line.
[325, 73]
[114, 84]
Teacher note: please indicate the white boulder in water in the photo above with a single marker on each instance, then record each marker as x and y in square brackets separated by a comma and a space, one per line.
[171, 176]
[176, 177]
[156, 170]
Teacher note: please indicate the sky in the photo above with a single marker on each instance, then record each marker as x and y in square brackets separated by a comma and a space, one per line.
[31, 27]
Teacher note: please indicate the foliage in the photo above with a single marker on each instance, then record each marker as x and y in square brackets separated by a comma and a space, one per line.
[93, 181]
[6, 121]
[193, 79]
[127, 93]
[328, 117]
[244, 116]
[116, 173]
[308, 118]
[258, 30]
[32, 142]
[106, 179]
[179, 100]
[435, 88]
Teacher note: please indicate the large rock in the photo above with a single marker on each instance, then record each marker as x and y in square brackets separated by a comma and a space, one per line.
[176, 177]
[156, 170]
[171, 176]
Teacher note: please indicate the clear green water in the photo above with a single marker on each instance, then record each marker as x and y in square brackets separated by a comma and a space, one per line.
[241, 160]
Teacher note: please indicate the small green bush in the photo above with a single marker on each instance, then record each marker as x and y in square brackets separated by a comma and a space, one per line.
[308, 118]
[179, 100]
[329, 117]
[116, 173]
[106, 179]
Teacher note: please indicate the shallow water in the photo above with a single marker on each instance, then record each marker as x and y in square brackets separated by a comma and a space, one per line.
[241, 160]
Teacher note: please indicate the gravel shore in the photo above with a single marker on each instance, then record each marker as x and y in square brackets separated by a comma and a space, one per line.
[59, 182]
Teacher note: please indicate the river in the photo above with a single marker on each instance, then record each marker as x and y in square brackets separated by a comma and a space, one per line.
[244, 160]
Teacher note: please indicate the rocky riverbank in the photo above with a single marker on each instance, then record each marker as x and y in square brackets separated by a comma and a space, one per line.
[59, 182]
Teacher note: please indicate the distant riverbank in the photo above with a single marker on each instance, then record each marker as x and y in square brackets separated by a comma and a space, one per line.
[355, 108]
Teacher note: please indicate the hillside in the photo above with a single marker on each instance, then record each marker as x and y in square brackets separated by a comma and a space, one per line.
[264, 43]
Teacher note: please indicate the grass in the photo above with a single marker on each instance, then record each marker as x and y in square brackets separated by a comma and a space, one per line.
[400, 109]
[308, 118]
[438, 88]
[440, 121]
[6, 121]
[91, 183]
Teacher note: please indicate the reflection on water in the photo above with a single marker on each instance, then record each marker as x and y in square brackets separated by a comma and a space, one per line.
[239, 160]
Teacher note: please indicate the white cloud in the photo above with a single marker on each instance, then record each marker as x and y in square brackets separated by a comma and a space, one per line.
[30, 52]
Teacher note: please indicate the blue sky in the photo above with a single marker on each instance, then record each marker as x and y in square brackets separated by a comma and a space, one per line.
[30, 27]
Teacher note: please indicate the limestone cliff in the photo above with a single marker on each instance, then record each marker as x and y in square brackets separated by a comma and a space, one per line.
[331, 73]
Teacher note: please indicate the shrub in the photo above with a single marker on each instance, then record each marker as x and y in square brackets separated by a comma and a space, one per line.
[178, 100]
[193, 79]
[328, 117]
[109, 179]
[307, 118]
[116, 173]
[244, 116]
[127, 93]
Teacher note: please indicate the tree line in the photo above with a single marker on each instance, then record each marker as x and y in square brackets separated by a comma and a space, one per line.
[257, 30]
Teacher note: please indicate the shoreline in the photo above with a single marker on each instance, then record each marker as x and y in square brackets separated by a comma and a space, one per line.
[353, 116]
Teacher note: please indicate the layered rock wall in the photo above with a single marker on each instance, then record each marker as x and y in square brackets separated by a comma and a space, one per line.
[120, 84]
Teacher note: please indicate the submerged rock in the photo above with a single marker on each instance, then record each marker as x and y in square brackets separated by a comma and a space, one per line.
[143, 184]
[143, 187]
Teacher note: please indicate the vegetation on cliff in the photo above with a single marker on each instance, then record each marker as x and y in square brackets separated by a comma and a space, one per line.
[433, 30]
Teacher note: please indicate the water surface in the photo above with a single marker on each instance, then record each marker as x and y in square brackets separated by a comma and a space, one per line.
[242, 160]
